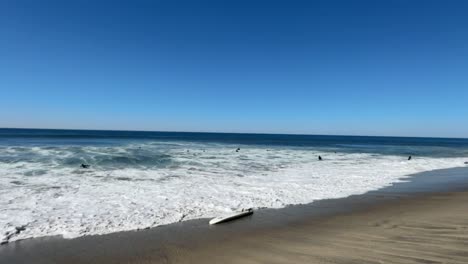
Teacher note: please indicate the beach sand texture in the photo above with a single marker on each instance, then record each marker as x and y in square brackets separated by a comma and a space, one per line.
[430, 229]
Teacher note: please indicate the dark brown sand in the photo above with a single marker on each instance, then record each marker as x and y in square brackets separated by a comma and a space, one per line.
[402, 225]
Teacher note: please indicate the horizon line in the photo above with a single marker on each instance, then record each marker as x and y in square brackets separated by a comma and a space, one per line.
[241, 133]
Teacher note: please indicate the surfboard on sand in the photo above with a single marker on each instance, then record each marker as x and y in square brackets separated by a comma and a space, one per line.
[233, 216]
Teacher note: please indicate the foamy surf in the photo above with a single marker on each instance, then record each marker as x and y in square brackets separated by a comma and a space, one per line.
[43, 192]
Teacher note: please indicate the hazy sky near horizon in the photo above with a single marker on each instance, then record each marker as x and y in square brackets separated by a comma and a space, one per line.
[314, 67]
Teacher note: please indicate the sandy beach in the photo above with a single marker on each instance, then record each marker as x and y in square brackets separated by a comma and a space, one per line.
[429, 229]
[410, 222]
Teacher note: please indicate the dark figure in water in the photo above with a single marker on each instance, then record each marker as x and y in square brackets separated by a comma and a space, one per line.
[409, 158]
[320, 158]
[84, 166]
[237, 150]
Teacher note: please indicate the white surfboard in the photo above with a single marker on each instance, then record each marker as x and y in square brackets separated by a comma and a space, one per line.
[232, 216]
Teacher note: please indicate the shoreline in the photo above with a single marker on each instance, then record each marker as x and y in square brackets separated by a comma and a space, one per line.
[192, 241]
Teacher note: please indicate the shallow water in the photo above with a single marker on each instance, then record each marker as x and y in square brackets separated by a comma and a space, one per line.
[144, 179]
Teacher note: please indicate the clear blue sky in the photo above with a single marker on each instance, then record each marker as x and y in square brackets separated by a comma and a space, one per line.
[313, 67]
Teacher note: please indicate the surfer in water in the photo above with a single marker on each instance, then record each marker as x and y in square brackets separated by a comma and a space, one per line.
[409, 158]
[84, 166]
[319, 158]
[237, 150]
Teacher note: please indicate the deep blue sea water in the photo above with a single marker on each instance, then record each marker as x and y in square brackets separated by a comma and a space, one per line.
[376, 144]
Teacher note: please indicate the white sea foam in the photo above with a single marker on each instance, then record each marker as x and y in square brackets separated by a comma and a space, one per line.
[49, 195]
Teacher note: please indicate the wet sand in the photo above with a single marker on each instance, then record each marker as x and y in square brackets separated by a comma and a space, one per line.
[429, 229]
[422, 221]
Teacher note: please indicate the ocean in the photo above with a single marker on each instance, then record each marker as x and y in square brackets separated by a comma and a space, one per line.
[144, 179]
